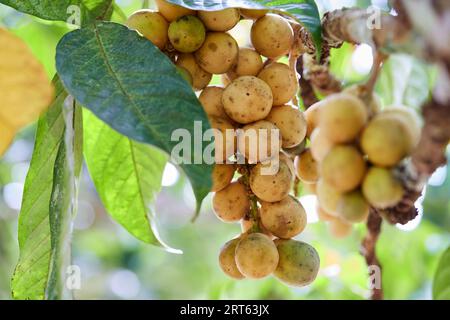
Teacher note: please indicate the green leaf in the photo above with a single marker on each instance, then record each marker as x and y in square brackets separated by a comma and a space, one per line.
[43, 223]
[441, 282]
[126, 174]
[133, 87]
[304, 11]
[63, 10]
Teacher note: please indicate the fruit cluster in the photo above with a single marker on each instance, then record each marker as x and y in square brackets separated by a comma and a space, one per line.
[354, 150]
[255, 96]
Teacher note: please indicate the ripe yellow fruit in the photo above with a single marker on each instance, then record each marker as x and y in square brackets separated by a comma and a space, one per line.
[312, 117]
[282, 80]
[353, 207]
[291, 122]
[253, 13]
[221, 20]
[298, 262]
[211, 100]
[249, 63]
[343, 168]
[342, 117]
[218, 53]
[328, 197]
[381, 189]
[306, 168]
[272, 36]
[271, 187]
[200, 78]
[284, 219]
[187, 34]
[320, 145]
[222, 175]
[224, 139]
[259, 141]
[385, 141]
[185, 74]
[247, 99]
[151, 25]
[359, 91]
[231, 204]
[227, 259]
[256, 256]
[340, 229]
[172, 11]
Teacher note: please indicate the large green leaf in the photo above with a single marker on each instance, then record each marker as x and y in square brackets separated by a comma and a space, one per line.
[441, 283]
[133, 87]
[127, 175]
[47, 204]
[62, 10]
[304, 11]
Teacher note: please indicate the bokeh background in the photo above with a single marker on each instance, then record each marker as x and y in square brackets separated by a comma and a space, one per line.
[114, 265]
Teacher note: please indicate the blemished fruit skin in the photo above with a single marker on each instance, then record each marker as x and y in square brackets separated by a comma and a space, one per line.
[221, 20]
[256, 256]
[342, 117]
[381, 189]
[320, 145]
[253, 13]
[172, 11]
[247, 99]
[258, 141]
[291, 122]
[343, 168]
[298, 263]
[353, 207]
[385, 141]
[218, 53]
[187, 34]
[328, 197]
[224, 139]
[185, 74]
[231, 204]
[272, 36]
[340, 229]
[306, 168]
[222, 175]
[273, 187]
[249, 63]
[227, 259]
[282, 80]
[211, 100]
[151, 25]
[284, 219]
[200, 78]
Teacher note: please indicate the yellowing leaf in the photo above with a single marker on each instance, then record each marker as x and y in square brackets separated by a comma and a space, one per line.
[25, 90]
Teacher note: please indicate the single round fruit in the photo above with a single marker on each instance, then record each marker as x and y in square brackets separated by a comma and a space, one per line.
[247, 99]
[218, 53]
[306, 168]
[312, 117]
[298, 262]
[269, 186]
[221, 20]
[385, 141]
[249, 63]
[353, 207]
[211, 100]
[187, 34]
[259, 141]
[231, 204]
[256, 256]
[342, 117]
[328, 197]
[320, 145]
[227, 259]
[224, 139]
[272, 36]
[381, 189]
[172, 11]
[151, 25]
[200, 78]
[253, 13]
[185, 74]
[284, 219]
[282, 80]
[343, 168]
[222, 175]
[291, 122]
[340, 228]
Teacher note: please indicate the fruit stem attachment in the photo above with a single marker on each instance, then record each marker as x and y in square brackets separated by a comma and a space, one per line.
[378, 60]
[244, 170]
[145, 4]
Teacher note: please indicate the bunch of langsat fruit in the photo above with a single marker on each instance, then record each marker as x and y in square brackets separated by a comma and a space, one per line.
[357, 152]
[255, 96]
